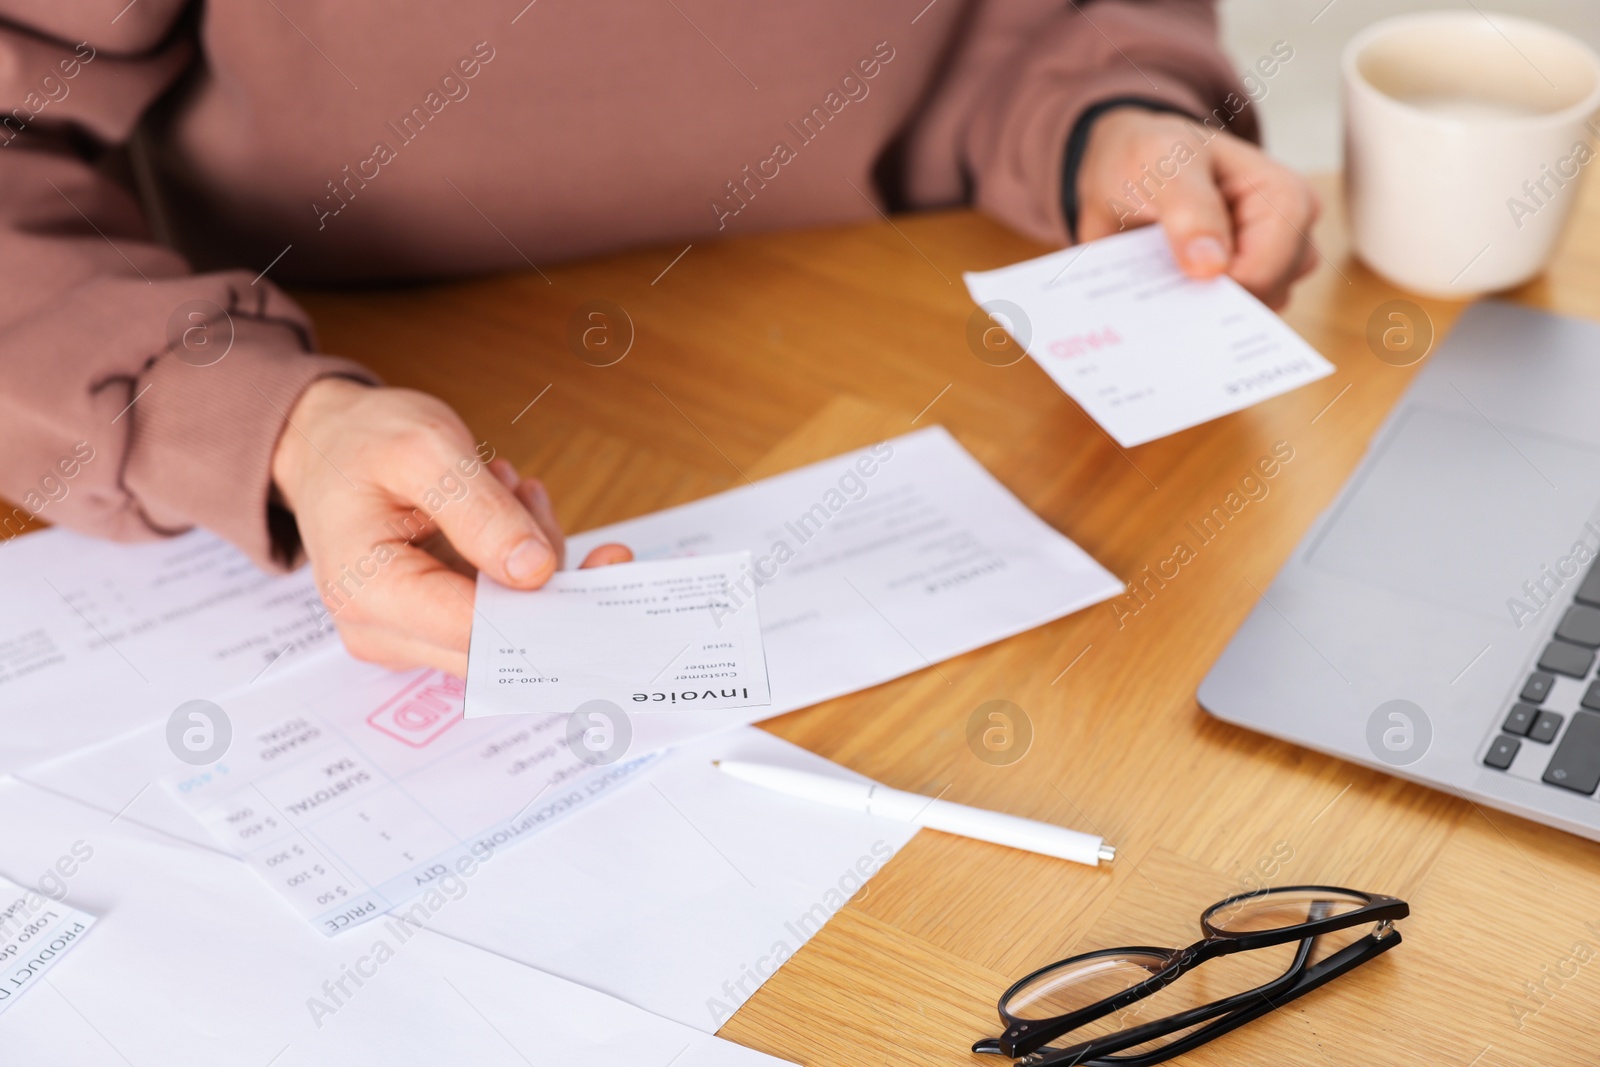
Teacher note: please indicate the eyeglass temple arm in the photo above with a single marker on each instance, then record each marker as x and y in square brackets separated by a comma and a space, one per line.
[1049, 1030]
[1139, 1035]
[1099, 1053]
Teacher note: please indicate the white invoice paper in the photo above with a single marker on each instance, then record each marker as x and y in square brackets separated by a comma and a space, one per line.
[36, 931]
[659, 634]
[871, 565]
[352, 789]
[678, 896]
[102, 638]
[1145, 350]
[192, 965]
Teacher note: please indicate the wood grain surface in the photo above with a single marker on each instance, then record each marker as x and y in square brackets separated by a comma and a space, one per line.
[756, 355]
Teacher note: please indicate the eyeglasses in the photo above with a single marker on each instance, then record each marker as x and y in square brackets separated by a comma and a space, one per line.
[1271, 945]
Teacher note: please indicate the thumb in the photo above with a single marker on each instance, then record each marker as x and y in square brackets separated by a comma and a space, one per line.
[533, 495]
[492, 529]
[1196, 219]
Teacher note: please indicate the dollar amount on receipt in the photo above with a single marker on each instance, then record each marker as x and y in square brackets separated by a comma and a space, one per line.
[351, 800]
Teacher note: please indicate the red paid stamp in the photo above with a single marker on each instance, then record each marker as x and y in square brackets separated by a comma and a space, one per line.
[422, 710]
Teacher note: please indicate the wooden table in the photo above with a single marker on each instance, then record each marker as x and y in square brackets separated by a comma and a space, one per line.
[757, 355]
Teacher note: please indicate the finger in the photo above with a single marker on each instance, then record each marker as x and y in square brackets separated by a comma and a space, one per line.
[399, 652]
[1274, 210]
[439, 547]
[536, 499]
[1096, 220]
[1196, 219]
[1314, 199]
[607, 554]
[503, 470]
[413, 595]
[487, 524]
[1277, 298]
[1272, 249]
[1308, 262]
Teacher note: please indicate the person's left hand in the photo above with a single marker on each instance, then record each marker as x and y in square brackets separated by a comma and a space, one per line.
[1225, 205]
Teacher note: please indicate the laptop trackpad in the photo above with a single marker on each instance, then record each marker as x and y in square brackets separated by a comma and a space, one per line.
[1460, 512]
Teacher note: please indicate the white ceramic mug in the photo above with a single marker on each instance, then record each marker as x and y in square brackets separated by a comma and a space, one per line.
[1464, 139]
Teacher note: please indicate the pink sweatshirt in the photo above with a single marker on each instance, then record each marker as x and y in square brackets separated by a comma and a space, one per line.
[163, 163]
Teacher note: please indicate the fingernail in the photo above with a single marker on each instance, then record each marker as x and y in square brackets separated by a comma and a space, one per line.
[527, 559]
[1206, 253]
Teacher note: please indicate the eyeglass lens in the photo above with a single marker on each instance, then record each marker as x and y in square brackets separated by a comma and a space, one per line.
[1075, 985]
[1279, 908]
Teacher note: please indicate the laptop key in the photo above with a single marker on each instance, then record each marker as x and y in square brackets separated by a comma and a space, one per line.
[1520, 721]
[1589, 591]
[1575, 765]
[1545, 727]
[1581, 626]
[1502, 752]
[1563, 658]
[1591, 697]
[1538, 687]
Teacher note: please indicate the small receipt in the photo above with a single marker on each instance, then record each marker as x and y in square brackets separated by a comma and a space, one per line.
[35, 932]
[1144, 349]
[663, 635]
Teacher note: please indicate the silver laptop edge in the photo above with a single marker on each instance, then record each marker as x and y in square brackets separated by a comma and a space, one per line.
[1403, 627]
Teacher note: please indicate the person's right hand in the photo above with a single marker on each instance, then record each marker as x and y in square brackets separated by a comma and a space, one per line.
[1226, 206]
[369, 474]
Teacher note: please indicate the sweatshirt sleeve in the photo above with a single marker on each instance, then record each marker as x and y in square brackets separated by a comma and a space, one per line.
[1024, 73]
[137, 399]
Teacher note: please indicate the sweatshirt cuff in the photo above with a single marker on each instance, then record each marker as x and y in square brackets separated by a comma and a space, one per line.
[202, 437]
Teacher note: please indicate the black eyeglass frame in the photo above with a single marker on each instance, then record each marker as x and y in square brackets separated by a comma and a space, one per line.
[1024, 1036]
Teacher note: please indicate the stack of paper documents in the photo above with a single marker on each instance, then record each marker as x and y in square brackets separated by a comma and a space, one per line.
[385, 810]
[190, 964]
[689, 878]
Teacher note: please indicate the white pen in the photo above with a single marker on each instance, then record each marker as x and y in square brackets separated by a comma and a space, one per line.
[992, 826]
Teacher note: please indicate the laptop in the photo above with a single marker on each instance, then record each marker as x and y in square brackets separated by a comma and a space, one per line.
[1441, 619]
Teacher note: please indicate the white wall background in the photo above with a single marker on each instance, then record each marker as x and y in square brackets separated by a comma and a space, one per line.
[1301, 109]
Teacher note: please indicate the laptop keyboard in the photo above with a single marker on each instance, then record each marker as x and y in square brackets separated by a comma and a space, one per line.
[1574, 761]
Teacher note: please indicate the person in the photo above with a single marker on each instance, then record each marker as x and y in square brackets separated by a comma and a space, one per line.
[163, 164]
